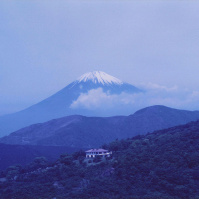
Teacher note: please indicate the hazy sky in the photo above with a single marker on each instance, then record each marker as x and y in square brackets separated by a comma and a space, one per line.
[44, 45]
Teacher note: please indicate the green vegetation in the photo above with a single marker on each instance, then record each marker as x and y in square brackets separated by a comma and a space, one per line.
[164, 164]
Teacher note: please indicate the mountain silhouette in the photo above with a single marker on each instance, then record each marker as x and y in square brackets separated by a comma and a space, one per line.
[88, 132]
[59, 104]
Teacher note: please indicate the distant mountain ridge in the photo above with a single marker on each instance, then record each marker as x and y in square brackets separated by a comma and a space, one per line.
[59, 104]
[85, 132]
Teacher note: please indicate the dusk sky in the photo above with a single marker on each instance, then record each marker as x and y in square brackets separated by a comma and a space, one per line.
[45, 45]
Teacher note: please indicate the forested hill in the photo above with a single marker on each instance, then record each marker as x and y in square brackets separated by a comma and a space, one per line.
[163, 164]
[23, 155]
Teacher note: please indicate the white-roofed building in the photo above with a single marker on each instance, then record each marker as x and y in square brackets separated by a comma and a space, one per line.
[92, 153]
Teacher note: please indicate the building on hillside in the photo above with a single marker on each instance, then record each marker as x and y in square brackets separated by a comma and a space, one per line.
[92, 153]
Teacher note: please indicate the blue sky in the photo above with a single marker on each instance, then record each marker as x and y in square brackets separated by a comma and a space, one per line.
[47, 44]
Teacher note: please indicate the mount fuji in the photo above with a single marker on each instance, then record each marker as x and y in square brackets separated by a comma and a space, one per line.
[73, 100]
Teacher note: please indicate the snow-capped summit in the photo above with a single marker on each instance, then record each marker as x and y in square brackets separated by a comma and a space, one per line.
[99, 77]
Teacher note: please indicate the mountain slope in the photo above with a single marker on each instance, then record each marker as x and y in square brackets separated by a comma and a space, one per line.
[162, 165]
[59, 104]
[86, 132]
[22, 155]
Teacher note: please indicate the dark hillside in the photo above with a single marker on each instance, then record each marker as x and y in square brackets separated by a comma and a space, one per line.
[163, 164]
[22, 155]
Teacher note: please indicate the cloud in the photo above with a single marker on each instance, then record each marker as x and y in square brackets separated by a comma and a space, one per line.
[154, 95]
[154, 86]
[93, 99]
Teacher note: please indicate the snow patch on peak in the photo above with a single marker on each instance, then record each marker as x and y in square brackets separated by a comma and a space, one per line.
[99, 77]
